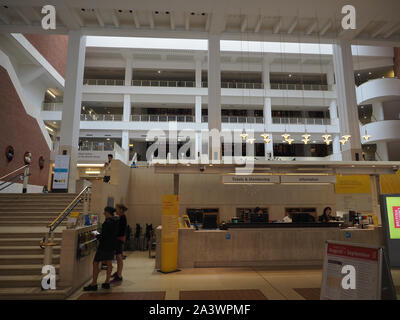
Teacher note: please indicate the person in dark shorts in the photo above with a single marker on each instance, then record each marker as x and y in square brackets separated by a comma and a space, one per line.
[121, 238]
[105, 250]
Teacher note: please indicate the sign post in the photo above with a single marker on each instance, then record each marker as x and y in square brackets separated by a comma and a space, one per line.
[169, 233]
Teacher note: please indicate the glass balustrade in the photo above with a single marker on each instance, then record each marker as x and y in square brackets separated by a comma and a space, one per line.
[96, 146]
[311, 121]
[101, 117]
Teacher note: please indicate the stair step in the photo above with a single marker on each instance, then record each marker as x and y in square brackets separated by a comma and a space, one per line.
[20, 281]
[29, 223]
[26, 250]
[26, 259]
[23, 269]
[23, 241]
[28, 235]
[34, 293]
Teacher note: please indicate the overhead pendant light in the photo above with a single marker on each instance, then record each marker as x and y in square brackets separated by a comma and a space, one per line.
[244, 135]
[342, 141]
[265, 135]
[306, 136]
[286, 136]
[250, 140]
[366, 136]
[328, 141]
[346, 137]
[267, 140]
[305, 140]
[289, 141]
[326, 136]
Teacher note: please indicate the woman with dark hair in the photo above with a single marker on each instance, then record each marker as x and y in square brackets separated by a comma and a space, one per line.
[105, 251]
[326, 216]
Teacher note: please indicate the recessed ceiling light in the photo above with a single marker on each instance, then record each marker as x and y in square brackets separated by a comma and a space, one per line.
[159, 71]
[369, 73]
[290, 75]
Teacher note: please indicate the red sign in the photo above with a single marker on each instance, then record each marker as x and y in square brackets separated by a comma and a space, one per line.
[353, 252]
[396, 215]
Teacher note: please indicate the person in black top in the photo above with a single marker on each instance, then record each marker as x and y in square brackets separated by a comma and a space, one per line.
[121, 238]
[326, 216]
[105, 250]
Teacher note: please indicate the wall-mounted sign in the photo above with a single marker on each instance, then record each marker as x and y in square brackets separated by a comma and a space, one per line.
[249, 179]
[353, 184]
[390, 183]
[61, 169]
[308, 179]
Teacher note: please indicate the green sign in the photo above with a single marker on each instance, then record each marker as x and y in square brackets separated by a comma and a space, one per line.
[393, 214]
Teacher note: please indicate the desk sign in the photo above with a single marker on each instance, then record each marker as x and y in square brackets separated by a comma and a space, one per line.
[356, 272]
[308, 179]
[250, 179]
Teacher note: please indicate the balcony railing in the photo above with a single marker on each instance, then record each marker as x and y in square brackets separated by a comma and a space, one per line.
[96, 146]
[52, 106]
[101, 117]
[204, 84]
[315, 121]
[161, 118]
[233, 119]
[287, 86]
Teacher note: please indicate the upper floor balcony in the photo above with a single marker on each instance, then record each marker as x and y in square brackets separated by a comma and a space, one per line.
[204, 84]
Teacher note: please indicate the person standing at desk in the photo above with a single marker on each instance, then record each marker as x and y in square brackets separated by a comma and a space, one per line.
[326, 216]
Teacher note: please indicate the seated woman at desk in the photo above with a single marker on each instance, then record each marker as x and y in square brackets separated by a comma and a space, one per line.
[326, 216]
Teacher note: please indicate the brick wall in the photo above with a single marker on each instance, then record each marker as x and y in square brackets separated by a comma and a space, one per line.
[21, 131]
[53, 48]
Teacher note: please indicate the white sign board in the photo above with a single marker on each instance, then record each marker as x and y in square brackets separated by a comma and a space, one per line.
[61, 170]
[367, 263]
[249, 179]
[308, 179]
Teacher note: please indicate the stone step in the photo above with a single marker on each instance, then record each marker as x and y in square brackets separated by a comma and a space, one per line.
[25, 250]
[20, 281]
[15, 242]
[28, 235]
[26, 218]
[34, 293]
[26, 259]
[28, 223]
[23, 269]
[34, 213]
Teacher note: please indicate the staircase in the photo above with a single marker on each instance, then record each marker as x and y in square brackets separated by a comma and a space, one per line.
[23, 223]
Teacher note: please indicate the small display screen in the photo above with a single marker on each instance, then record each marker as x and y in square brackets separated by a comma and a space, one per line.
[393, 214]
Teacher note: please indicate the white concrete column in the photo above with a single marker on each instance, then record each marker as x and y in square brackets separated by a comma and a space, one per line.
[125, 145]
[269, 148]
[336, 145]
[333, 113]
[127, 107]
[214, 93]
[382, 151]
[198, 109]
[266, 73]
[267, 113]
[198, 69]
[330, 76]
[198, 146]
[346, 99]
[128, 72]
[377, 111]
[70, 121]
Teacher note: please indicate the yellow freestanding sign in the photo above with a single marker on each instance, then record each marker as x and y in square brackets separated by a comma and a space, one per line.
[169, 233]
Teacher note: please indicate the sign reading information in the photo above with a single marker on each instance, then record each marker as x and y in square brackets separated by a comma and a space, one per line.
[61, 168]
[169, 233]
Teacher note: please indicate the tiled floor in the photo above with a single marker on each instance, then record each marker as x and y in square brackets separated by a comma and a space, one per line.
[140, 276]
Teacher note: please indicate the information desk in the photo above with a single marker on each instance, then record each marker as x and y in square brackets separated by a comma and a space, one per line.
[271, 246]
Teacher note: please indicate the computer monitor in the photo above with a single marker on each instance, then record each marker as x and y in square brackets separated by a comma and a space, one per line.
[259, 218]
[210, 221]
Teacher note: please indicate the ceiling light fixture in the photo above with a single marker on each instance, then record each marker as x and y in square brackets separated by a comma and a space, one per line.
[51, 93]
[290, 140]
[286, 136]
[244, 135]
[265, 135]
[346, 137]
[250, 140]
[267, 140]
[366, 136]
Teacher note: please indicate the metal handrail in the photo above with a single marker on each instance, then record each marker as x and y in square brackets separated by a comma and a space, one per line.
[10, 181]
[60, 218]
[16, 170]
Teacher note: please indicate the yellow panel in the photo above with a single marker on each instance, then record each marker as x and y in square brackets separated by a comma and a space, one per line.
[390, 183]
[353, 184]
[169, 233]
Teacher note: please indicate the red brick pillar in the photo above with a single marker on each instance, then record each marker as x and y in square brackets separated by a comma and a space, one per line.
[396, 61]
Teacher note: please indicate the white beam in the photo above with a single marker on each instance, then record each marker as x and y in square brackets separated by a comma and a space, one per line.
[172, 21]
[293, 25]
[259, 24]
[98, 17]
[115, 18]
[311, 27]
[136, 19]
[243, 25]
[208, 22]
[151, 20]
[379, 30]
[277, 27]
[187, 21]
[326, 28]
[391, 31]
[22, 15]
